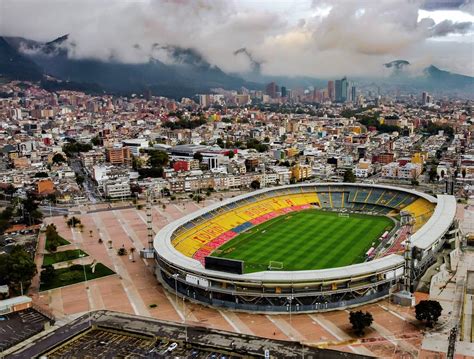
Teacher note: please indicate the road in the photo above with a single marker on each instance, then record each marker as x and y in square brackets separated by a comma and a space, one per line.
[88, 186]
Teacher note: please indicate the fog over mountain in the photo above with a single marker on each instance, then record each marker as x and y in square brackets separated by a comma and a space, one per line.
[319, 38]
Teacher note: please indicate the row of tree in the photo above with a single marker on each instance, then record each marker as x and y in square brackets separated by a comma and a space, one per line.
[427, 311]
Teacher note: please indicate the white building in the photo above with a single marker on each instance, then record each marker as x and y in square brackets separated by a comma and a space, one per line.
[363, 169]
[119, 188]
[135, 145]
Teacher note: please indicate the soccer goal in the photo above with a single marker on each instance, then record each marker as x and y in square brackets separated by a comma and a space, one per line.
[344, 215]
[274, 265]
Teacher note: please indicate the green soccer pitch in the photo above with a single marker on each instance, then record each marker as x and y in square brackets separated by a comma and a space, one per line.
[310, 239]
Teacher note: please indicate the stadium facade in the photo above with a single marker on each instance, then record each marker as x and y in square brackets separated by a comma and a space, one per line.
[181, 248]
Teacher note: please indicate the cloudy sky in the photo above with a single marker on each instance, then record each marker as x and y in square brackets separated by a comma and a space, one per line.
[323, 38]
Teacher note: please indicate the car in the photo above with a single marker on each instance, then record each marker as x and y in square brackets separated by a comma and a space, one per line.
[172, 347]
[2, 318]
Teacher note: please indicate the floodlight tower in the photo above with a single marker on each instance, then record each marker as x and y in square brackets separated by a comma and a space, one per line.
[149, 252]
[408, 263]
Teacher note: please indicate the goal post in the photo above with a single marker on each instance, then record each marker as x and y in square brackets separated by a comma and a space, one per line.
[343, 215]
[275, 265]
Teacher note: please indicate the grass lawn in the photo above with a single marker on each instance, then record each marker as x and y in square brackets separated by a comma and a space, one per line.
[310, 239]
[75, 274]
[61, 241]
[64, 256]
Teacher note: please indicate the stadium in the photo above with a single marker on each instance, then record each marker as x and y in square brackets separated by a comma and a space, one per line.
[305, 247]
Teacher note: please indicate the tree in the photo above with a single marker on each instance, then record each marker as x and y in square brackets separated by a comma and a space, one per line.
[360, 321]
[432, 173]
[30, 210]
[73, 221]
[17, 269]
[121, 251]
[231, 154]
[158, 158]
[349, 176]
[48, 274]
[428, 311]
[79, 179]
[5, 217]
[58, 158]
[96, 141]
[255, 184]
[198, 156]
[41, 175]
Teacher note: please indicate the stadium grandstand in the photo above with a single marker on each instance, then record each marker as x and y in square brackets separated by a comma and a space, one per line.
[280, 249]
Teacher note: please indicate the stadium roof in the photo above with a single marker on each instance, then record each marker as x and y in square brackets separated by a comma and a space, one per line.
[433, 230]
[438, 224]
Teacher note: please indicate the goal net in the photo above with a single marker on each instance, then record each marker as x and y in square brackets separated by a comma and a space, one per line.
[275, 265]
[344, 215]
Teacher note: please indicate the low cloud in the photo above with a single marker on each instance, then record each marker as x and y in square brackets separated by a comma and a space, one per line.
[334, 38]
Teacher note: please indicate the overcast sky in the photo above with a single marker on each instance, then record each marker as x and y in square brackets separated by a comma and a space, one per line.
[323, 38]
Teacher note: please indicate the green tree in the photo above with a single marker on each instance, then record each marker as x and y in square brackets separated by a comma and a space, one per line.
[41, 175]
[349, 176]
[58, 158]
[96, 141]
[231, 154]
[31, 214]
[48, 274]
[158, 158]
[17, 269]
[255, 184]
[360, 321]
[73, 222]
[198, 156]
[428, 311]
[121, 251]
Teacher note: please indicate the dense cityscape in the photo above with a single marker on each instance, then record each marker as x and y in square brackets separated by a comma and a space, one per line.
[236, 179]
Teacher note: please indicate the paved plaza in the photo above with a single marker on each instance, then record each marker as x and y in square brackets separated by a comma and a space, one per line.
[133, 289]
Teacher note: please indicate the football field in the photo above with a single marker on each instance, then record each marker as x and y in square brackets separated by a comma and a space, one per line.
[310, 239]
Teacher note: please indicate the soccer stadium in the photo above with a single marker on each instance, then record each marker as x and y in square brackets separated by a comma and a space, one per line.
[305, 247]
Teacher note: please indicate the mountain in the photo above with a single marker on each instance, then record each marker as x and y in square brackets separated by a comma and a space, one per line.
[14, 65]
[435, 76]
[190, 74]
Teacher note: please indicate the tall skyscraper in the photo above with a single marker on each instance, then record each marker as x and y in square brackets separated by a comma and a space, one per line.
[283, 91]
[271, 89]
[338, 90]
[342, 87]
[353, 93]
[331, 90]
[424, 98]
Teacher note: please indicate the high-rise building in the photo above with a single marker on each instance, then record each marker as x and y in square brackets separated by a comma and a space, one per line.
[342, 87]
[331, 90]
[271, 89]
[283, 91]
[354, 93]
[425, 98]
[204, 100]
[338, 90]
